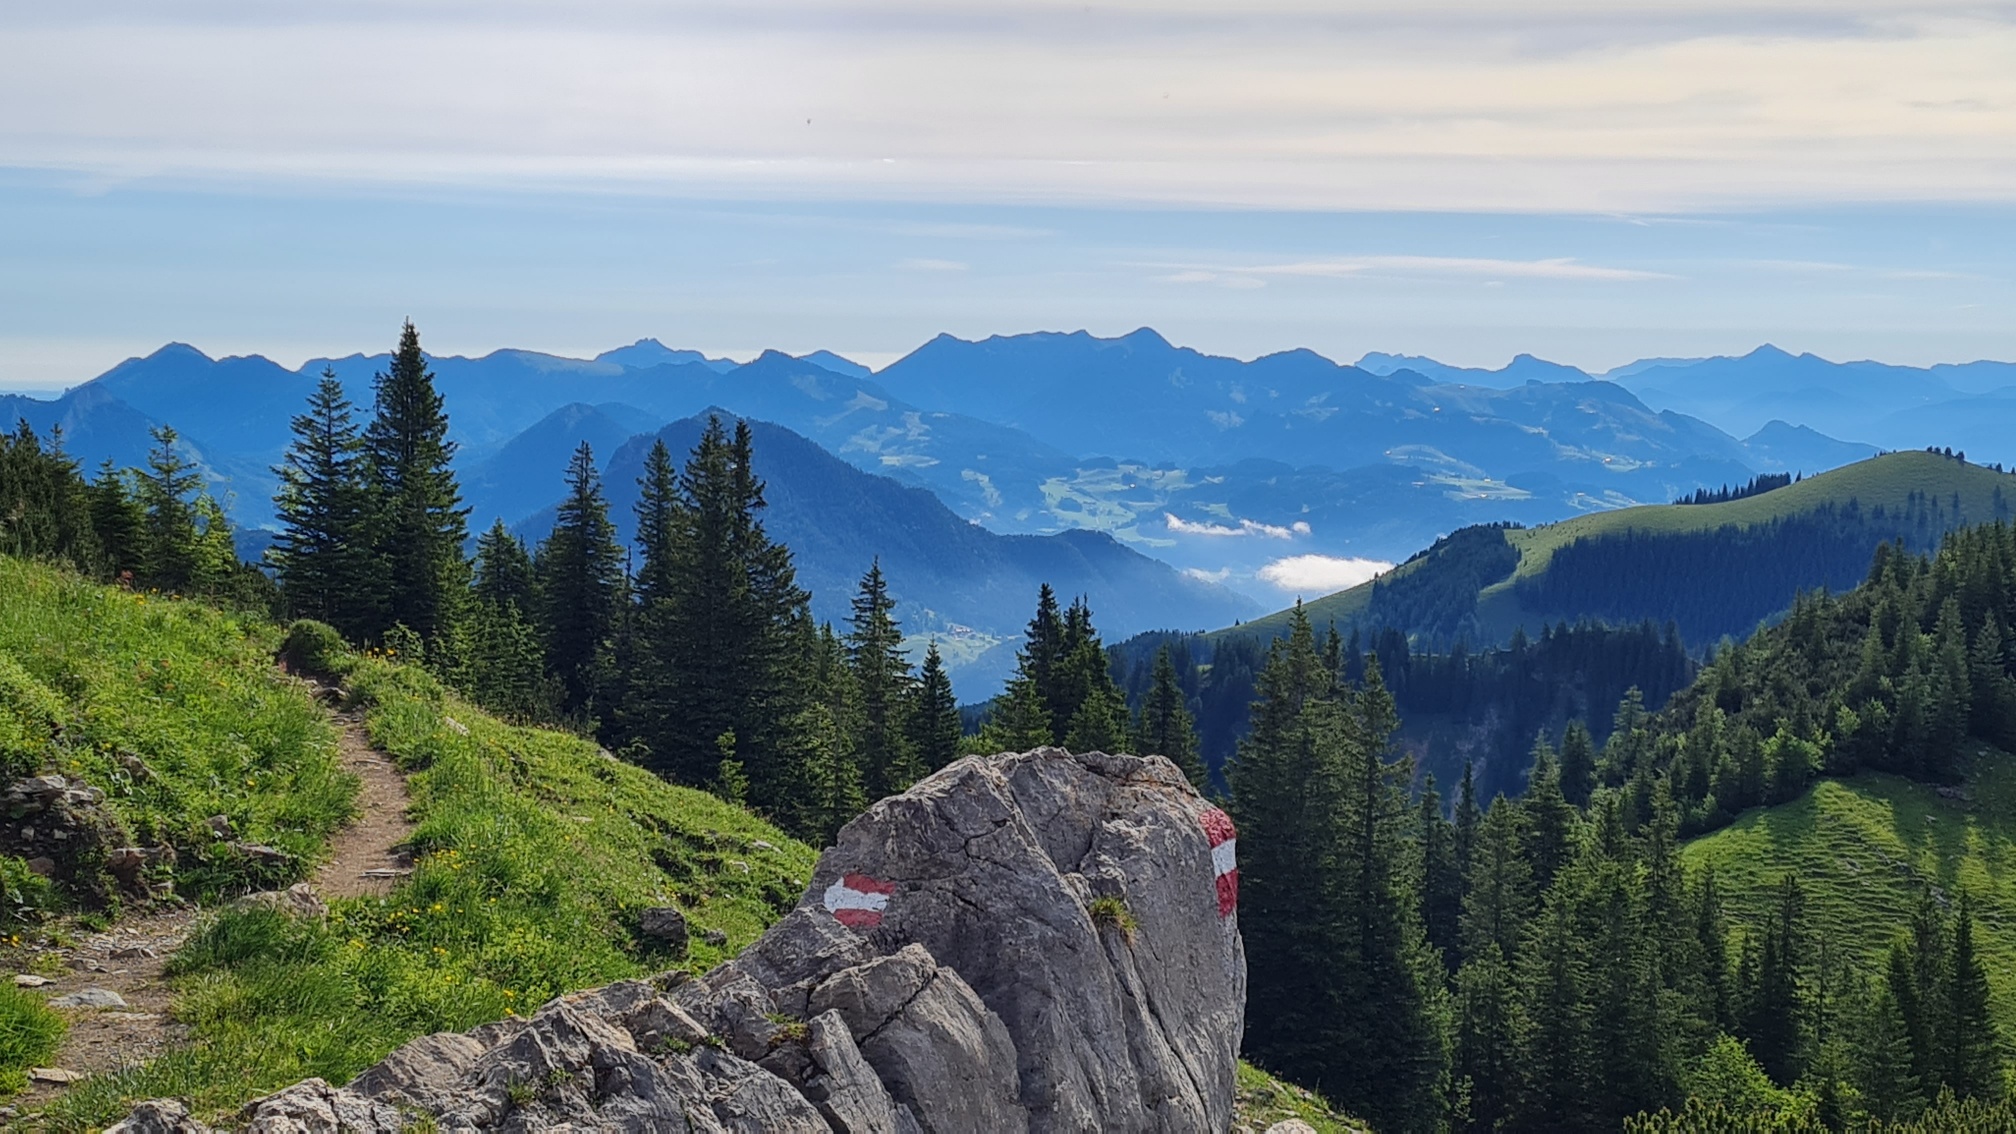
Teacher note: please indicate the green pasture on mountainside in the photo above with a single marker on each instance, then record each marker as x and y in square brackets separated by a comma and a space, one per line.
[1865, 847]
[1889, 481]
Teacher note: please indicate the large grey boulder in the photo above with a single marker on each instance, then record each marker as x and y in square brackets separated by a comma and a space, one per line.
[1032, 942]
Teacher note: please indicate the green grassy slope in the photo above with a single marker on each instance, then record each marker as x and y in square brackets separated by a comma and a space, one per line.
[1886, 481]
[176, 712]
[1865, 847]
[536, 853]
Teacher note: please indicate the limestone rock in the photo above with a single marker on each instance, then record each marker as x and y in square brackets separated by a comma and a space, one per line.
[89, 998]
[298, 900]
[942, 973]
[158, 1116]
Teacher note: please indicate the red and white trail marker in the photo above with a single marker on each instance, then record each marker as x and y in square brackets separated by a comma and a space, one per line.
[1224, 857]
[857, 901]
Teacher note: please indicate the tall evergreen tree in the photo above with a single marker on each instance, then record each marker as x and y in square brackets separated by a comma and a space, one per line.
[1165, 728]
[167, 490]
[503, 569]
[875, 657]
[119, 521]
[1441, 880]
[323, 553]
[1578, 763]
[580, 587]
[1970, 1041]
[417, 520]
[933, 719]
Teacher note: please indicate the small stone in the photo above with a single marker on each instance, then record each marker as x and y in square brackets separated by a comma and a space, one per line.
[715, 937]
[54, 1075]
[134, 952]
[455, 726]
[90, 998]
[220, 826]
[1292, 1126]
[45, 866]
[384, 872]
[27, 834]
[739, 865]
[29, 980]
[759, 844]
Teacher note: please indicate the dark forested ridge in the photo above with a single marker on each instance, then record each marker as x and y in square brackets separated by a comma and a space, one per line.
[1482, 708]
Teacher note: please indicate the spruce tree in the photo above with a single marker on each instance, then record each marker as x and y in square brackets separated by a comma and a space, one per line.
[167, 488]
[1490, 1030]
[1970, 1043]
[1441, 880]
[1578, 763]
[1165, 727]
[119, 521]
[1550, 819]
[1881, 1048]
[580, 587]
[323, 553]
[881, 673]
[418, 523]
[1017, 721]
[934, 725]
[503, 570]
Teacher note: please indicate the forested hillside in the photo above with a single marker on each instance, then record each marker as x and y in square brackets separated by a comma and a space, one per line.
[1713, 569]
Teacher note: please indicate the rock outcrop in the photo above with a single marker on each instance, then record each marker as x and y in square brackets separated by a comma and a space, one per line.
[1029, 942]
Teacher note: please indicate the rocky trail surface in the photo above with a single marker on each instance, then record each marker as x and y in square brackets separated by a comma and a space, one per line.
[1025, 942]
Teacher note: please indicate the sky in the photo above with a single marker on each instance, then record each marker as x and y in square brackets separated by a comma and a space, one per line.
[1588, 180]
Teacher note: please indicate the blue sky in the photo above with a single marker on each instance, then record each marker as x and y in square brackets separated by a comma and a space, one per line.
[1592, 183]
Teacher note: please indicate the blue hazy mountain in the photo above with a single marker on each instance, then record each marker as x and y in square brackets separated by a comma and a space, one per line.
[972, 588]
[1210, 463]
[1970, 405]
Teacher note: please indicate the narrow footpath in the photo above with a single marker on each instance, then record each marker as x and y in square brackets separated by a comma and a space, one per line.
[110, 985]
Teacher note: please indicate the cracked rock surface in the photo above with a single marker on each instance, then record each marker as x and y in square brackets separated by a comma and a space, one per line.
[944, 972]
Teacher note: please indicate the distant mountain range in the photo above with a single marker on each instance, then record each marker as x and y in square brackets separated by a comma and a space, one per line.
[970, 588]
[1235, 471]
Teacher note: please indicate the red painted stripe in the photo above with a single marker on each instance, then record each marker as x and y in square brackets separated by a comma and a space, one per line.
[1228, 892]
[867, 885]
[865, 919]
[1217, 825]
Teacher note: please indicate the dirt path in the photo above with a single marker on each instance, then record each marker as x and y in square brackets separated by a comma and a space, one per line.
[127, 961]
[364, 857]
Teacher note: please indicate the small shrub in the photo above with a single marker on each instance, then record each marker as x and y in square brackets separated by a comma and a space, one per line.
[29, 1035]
[1113, 911]
[316, 649]
[25, 896]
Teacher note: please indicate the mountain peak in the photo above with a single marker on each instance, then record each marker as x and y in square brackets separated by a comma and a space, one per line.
[179, 350]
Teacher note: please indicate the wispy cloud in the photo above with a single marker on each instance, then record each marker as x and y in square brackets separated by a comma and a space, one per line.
[919, 264]
[1203, 576]
[1320, 574]
[1341, 267]
[1180, 526]
[1558, 105]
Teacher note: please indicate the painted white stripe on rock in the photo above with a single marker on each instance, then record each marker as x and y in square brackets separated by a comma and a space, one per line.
[840, 897]
[1223, 860]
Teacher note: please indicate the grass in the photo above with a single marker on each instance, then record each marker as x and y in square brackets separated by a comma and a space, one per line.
[535, 855]
[1887, 480]
[1261, 1100]
[176, 712]
[1865, 848]
[29, 1034]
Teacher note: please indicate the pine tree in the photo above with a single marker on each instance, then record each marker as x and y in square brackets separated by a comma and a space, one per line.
[1441, 880]
[579, 572]
[933, 719]
[323, 554]
[1881, 1066]
[1550, 819]
[1042, 653]
[660, 524]
[1017, 721]
[1578, 764]
[1774, 1004]
[1553, 977]
[166, 492]
[1087, 708]
[1970, 1043]
[120, 522]
[1498, 894]
[1468, 815]
[1490, 1031]
[887, 687]
[418, 523]
[503, 574]
[1165, 727]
